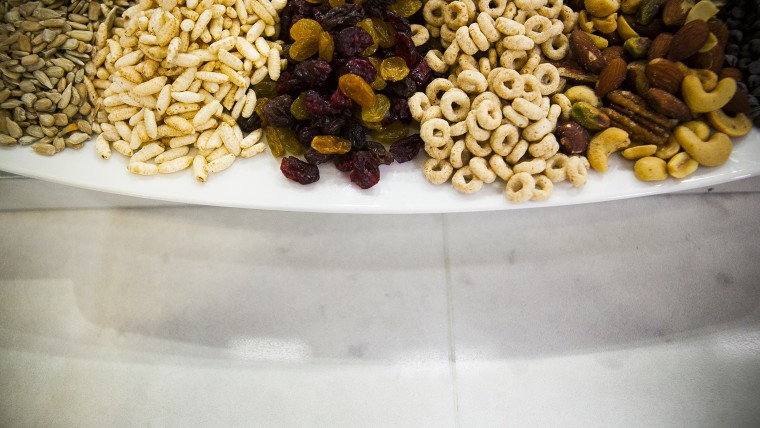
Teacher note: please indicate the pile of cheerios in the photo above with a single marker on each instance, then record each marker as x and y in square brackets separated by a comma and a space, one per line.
[494, 116]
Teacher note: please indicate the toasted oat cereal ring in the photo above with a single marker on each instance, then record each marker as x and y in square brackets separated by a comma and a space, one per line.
[477, 148]
[532, 167]
[544, 188]
[514, 118]
[484, 66]
[534, 58]
[451, 53]
[437, 171]
[554, 112]
[513, 60]
[556, 48]
[472, 81]
[517, 152]
[487, 95]
[466, 44]
[494, 8]
[434, 59]
[537, 130]
[544, 149]
[538, 28]
[442, 152]
[569, 18]
[455, 105]
[555, 168]
[420, 34]
[489, 115]
[504, 138]
[455, 14]
[480, 169]
[459, 155]
[435, 132]
[508, 26]
[531, 88]
[564, 104]
[487, 26]
[478, 37]
[459, 128]
[465, 181]
[552, 10]
[528, 109]
[548, 78]
[474, 129]
[433, 12]
[507, 84]
[447, 35]
[418, 103]
[436, 89]
[467, 62]
[576, 170]
[520, 187]
[500, 167]
[433, 112]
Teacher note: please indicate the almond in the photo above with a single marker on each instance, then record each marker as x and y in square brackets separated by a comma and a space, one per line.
[611, 77]
[660, 46]
[664, 74]
[585, 52]
[612, 52]
[667, 104]
[675, 11]
[688, 40]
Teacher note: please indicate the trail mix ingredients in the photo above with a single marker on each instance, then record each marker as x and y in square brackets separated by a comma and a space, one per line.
[659, 85]
[344, 97]
[494, 116]
[173, 83]
[46, 100]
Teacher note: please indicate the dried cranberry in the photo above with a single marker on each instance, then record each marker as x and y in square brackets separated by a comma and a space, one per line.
[316, 105]
[406, 148]
[405, 49]
[421, 73]
[404, 88]
[298, 170]
[344, 162]
[356, 134]
[351, 41]
[340, 101]
[249, 124]
[313, 72]
[366, 172]
[360, 67]
[382, 155]
[329, 125]
[399, 112]
[315, 158]
[277, 112]
[341, 16]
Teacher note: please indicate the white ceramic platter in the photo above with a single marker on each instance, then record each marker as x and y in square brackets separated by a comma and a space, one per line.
[257, 183]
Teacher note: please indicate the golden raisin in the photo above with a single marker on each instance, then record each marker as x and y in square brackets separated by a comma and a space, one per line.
[394, 69]
[386, 34]
[379, 84]
[302, 49]
[336, 3]
[298, 110]
[391, 133]
[406, 8]
[377, 111]
[326, 46]
[367, 25]
[285, 139]
[275, 144]
[259, 109]
[357, 89]
[305, 29]
[330, 145]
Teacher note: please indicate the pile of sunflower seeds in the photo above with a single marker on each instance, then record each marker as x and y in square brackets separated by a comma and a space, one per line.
[46, 99]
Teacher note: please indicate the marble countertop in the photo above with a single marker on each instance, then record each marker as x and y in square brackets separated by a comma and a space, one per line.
[122, 312]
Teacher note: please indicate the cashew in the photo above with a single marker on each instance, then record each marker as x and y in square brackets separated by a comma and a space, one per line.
[583, 93]
[650, 169]
[584, 22]
[712, 152]
[669, 149]
[599, 41]
[700, 128]
[736, 126]
[682, 165]
[703, 11]
[709, 44]
[603, 144]
[638, 152]
[700, 101]
[601, 8]
[607, 24]
[708, 78]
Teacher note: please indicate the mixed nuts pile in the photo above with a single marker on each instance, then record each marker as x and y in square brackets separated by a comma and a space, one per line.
[177, 84]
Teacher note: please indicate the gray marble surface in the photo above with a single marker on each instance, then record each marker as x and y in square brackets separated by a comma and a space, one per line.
[641, 312]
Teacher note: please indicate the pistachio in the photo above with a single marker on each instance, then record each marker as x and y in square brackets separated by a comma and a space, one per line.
[589, 116]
